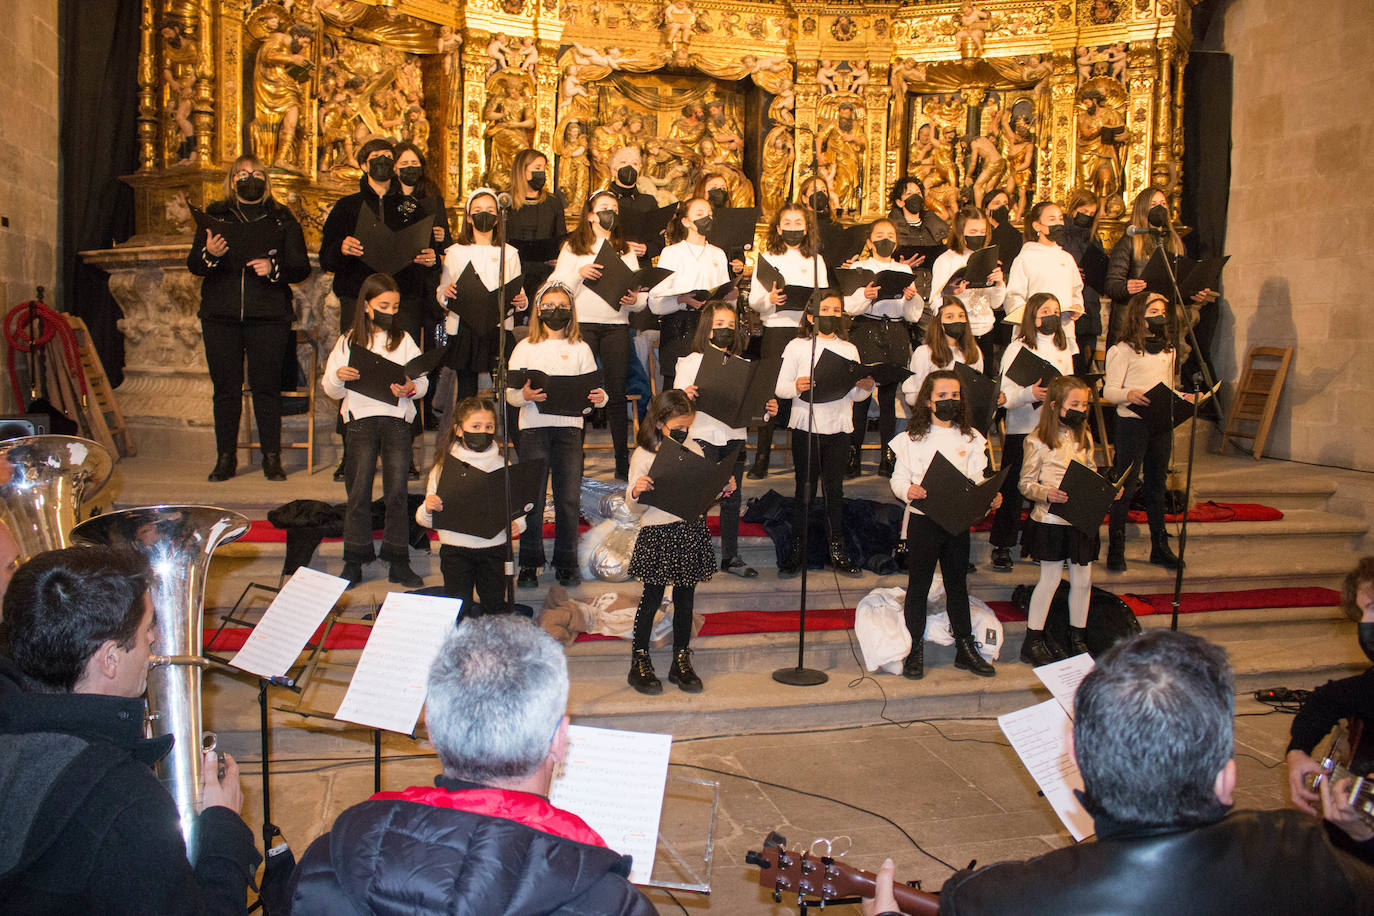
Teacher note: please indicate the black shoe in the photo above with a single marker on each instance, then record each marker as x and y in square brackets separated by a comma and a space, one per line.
[914, 666]
[966, 656]
[1078, 643]
[353, 572]
[1116, 553]
[972, 568]
[225, 467]
[1035, 649]
[888, 462]
[1001, 559]
[681, 673]
[791, 566]
[528, 578]
[736, 567]
[1161, 555]
[271, 466]
[414, 471]
[855, 464]
[339, 473]
[401, 573]
[759, 469]
[642, 677]
[567, 576]
[840, 562]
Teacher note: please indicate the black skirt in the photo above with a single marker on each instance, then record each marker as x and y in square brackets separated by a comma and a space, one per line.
[679, 554]
[1041, 541]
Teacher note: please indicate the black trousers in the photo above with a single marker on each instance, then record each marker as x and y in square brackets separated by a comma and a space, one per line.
[264, 345]
[730, 505]
[886, 396]
[833, 453]
[366, 440]
[610, 345]
[1083, 359]
[675, 336]
[684, 600]
[482, 568]
[1151, 455]
[1007, 522]
[774, 341]
[560, 448]
[928, 544]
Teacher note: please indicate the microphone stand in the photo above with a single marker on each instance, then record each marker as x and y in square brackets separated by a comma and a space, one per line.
[499, 383]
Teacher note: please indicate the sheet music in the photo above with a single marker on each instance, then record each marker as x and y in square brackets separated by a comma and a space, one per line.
[1041, 736]
[614, 780]
[1063, 678]
[389, 684]
[287, 624]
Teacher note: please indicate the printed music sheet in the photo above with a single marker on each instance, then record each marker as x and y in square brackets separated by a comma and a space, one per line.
[1063, 678]
[287, 624]
[614, 780]
[389, 684]
[1041, 736]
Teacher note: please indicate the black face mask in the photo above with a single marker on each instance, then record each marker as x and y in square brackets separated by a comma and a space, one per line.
[914, 204]
[792, 237]
[381, 168]
[483, 221]
[556, 319]
[478, 442]
[1073, 419]
[1083, 220]
[1366, 632]
[883, 248]
[382, 321]
[949, 410]
[974, 242]
[1001, 214]
[250, 188]
[537, 180]
[1055, 234]
[410, 175]
[723, 338]
[702, 225]
[828, 324]
[627, 175]
[1048, 324]
[954, 329]
[1158, 216]
[607, 219]
[820, 201]
[717, 197]
[1155, 323]
[678, 435]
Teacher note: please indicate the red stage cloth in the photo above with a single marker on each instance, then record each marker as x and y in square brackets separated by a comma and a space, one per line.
[264, 532]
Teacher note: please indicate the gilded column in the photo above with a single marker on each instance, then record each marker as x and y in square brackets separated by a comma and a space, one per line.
[228, 39]
[203, 93]
[1161, 173]
[881, 131]
[148, 88]
[804, 136]
[473, 157]
[1061, 151]
[546, 97]
[1176, 192]
[1141, 76]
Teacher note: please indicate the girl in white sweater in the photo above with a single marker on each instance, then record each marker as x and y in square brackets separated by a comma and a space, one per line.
[696, 266]
[555, 347]
[938, 423]
[376, 429]
[1044, 267]
[466, 560]
[968, 234]
[949, 340]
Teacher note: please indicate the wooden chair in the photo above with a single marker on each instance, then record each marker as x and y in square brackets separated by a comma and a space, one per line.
[312, 380]
[1257, 397]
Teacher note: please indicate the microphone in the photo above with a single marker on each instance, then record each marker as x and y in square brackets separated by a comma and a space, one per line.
[503, 200]
[1139, 230]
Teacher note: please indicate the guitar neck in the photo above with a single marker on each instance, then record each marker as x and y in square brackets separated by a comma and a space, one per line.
[910, 901]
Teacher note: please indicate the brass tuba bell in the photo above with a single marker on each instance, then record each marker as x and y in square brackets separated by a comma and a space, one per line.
[43, 482]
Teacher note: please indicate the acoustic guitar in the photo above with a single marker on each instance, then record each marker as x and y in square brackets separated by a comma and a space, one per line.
[1351, 753]
[825, 879]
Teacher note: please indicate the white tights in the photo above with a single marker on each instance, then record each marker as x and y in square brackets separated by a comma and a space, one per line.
[1080, 592]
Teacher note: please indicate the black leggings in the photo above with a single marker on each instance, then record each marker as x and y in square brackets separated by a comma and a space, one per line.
[833, 451]
[927, 544]
[886, 395]
[1007, 522]
[1134, 442]
[774, 341]
[610, 345]
[684, 598]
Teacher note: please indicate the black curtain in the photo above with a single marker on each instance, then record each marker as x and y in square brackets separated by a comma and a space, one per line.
[98, 43]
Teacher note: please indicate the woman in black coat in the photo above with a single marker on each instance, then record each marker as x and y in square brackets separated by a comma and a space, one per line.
[249, 255]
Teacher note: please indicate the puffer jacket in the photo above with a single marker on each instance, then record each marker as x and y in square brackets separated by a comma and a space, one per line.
[233, 291]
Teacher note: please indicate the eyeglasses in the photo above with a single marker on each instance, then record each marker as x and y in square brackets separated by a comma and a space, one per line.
[245, 173]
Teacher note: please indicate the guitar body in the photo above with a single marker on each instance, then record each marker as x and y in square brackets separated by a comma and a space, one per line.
[825, 879]
[1351, 756]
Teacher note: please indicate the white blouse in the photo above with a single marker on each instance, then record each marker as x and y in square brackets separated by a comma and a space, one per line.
[591, 308]
[922, 365]
[694, 267]
[796, 269]
[355, 406]
[486, 262]
[856, 303]
[831, 416]
[553, 357]
[913, 456]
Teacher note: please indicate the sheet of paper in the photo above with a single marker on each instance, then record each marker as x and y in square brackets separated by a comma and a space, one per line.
[1041, 736]
[1063, 678]
[294, 614]
[389, 684]
[614, 780]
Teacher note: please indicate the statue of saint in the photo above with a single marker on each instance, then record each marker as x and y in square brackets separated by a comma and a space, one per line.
[840, 147]
[574, 174]
[985, 168]
[775, 175]
[606, 139]
[510, 128]
[1102, 139]
[281, 67]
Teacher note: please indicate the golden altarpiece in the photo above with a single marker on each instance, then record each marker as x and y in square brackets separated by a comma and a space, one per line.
[968, 96]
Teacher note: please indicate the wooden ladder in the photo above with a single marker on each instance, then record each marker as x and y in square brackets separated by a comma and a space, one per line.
[100, 409]
[1257, 397]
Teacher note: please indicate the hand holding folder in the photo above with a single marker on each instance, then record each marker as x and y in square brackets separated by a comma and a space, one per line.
[564, 395]
[389, 251]
[735, 390]
[952, 501]
[376, 373]
[685, 483]
[475, 501]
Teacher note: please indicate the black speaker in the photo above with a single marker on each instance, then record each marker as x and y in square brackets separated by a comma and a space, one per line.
[15, 426]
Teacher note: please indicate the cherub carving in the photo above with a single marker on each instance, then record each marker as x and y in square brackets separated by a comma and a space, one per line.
[498, 50]
[974, 24]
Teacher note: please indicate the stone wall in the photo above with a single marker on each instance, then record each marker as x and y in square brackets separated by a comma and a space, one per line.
[28, 156]
[1301, 220]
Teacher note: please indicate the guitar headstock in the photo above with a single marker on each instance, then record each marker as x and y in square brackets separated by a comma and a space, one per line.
[792, 871]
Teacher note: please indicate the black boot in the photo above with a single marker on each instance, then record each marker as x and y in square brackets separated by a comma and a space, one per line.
[567, 576]
[888, 462]
[791, 565]
[839, 560]
[855, 467]
[681, 673]
[1160, 554]
[642, 677]
[401, 573]
[966, 656]
[1001, 559]
[759, 470]
[1035, 649]
[225, 466]
[622, 466]
[528, 578]
[271, 466]
[1078, 641]
[1116, 550]
[353, 572]
[914, 666]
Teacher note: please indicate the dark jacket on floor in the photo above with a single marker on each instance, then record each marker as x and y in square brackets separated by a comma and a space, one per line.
[462, 849]
[234, 291]
[88, 826]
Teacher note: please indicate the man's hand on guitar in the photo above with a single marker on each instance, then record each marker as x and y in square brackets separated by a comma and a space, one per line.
[883, 900]
[1301, 769]
[1335, 795]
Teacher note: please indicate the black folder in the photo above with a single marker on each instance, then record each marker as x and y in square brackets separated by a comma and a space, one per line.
[980, 264]
[476, 305]
[929, 252]
[1192, 276]
[1090, 496]
[537, 250]
[735, 390]
[798, 297]
[952, 501]
[647, 228]
[376, 373]
[247, 241]
[892, 284]
[1205, 274]
[979, 394]
[726, 292]
[567, 394]
[840, 243]
[685, 483]
[389, 251]
[1165, 411]
[1093, 263]
[833, 376]
[475, 501]
[1029, 370]
[732, 228]
[617, 278]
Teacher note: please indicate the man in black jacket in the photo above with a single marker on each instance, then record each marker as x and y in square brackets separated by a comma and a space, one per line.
[88, 826]
[484, 839]
[340, 250]
[1152, 733]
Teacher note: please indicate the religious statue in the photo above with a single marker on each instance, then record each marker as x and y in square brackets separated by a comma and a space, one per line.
[784, 104]
[574, 175]
[1108, 60]
[337, 118]
[985, 167]
[775, 174]
[1102, 140]
[974, 24]
[690, 126]
[279, 72]
[1019, 145]
[498, 53]
[725, 131]
[510, 128]
[720, 161]
[179, 73]
[417, 127]
[529, 55]
[840, 149]
[825, 77]
[606, 139]
[678, 22]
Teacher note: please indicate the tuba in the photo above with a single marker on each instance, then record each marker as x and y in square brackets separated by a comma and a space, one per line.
[43, 481]
[177, 542]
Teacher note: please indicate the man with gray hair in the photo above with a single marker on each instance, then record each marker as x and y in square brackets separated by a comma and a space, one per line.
[484, 839]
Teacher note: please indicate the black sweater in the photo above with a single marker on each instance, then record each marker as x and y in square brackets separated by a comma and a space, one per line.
[349, 271]
[233, 291]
